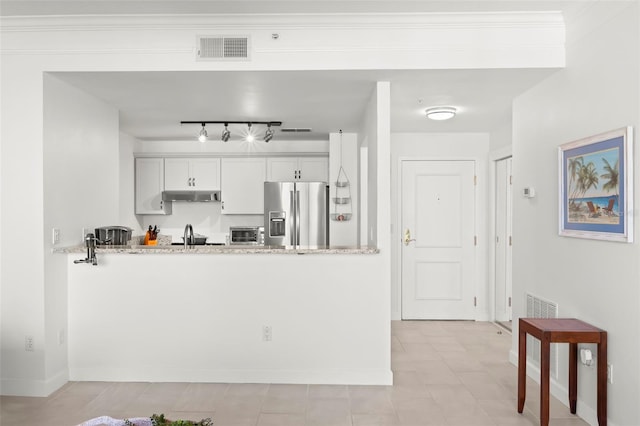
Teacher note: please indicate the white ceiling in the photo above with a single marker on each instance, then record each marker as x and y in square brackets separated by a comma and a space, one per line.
[152, 104]
[115, 7]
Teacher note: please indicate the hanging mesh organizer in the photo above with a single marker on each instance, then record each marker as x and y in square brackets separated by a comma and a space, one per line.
[342, 200]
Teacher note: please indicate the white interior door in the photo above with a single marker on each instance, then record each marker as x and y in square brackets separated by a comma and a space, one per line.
[503, 290]
[438, 247]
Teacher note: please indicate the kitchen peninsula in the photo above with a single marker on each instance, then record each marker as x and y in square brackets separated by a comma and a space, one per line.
[226, 314]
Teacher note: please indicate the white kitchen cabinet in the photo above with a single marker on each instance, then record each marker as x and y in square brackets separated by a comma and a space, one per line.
[149, 176]
[303, 169]
[242, 181]
[201, 174]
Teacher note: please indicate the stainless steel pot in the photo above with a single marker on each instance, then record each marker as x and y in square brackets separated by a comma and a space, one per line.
[113, 235]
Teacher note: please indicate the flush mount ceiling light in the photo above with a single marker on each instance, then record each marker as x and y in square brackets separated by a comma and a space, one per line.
[226, 134]
[202, 137]
[440, 113]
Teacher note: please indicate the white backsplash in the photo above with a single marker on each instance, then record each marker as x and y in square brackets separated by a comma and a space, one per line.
[206, 219]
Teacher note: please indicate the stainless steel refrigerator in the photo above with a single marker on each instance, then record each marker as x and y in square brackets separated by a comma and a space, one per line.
[296, 214]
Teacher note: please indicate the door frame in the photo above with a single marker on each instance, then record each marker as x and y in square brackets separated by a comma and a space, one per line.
[479, 256]
[494, 157]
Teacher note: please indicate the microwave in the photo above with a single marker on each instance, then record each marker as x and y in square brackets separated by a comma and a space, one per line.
[246, 235]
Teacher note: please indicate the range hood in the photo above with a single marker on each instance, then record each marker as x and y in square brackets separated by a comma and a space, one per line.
[200, 196]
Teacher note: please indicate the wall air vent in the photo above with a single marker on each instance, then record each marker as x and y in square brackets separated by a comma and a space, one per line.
[540, 308]
[295, 130]
[223, 48]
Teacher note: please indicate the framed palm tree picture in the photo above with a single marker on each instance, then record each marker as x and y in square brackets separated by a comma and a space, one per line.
[596, 187]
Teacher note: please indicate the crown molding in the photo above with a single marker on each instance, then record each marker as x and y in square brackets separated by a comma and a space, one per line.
[278, 22]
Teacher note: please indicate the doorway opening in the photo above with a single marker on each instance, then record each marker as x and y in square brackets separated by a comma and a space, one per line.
[503, 243]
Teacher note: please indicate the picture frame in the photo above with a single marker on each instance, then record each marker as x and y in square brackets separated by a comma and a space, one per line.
[596, 187]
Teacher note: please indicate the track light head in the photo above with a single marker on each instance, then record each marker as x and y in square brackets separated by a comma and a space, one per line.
[226, 134]
[250, 137]
[202, 137]
[268, 134]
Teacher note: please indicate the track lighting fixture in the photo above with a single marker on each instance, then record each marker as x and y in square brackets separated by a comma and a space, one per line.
[226, 133]
[268, 134]
[202, 137]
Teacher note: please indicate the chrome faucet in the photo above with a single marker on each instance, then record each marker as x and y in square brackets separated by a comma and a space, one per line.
[189, 238]
[90, 242]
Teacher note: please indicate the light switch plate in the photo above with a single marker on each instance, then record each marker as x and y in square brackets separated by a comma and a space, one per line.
[55, 236]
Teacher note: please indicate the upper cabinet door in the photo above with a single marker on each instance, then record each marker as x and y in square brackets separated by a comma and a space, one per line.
[176, 174]
[191, 174]
[303, 169]
[205, 173]
[149, 187]
[282, 169]
[243, 185]
[313, 169]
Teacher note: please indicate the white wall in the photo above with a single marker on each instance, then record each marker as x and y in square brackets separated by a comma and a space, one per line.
[368, 139]
[500, 138]
[596, 281]
[81, 188]
[22, 295]
[441, 146]
[126, 186]
[159, 326]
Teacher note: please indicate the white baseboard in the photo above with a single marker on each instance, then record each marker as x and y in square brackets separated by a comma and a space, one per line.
[584, 411]
[339, 376]
[31, 387]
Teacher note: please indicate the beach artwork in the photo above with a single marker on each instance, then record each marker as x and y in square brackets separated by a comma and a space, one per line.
[594, 187]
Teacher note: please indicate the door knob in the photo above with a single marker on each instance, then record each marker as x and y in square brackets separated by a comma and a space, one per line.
[407, 237]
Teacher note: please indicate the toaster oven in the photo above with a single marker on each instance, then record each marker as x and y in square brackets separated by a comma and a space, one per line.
[246, 235]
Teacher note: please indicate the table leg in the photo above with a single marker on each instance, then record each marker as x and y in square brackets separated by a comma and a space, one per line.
[602, 380]
[573, 376]
[522, 368]
[545, 360]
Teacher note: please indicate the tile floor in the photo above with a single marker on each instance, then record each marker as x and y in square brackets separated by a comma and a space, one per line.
[445, 373]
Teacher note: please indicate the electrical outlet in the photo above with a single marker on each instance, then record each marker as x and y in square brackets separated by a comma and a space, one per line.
[55, 236]
[266, 333]
[85, 231]
[28, 344]
[610, 373]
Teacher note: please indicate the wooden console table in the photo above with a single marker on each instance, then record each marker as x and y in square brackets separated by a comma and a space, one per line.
[561, 330]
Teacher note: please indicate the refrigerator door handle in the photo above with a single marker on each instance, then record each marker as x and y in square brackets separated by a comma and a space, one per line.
[297, 218]
[292, 218]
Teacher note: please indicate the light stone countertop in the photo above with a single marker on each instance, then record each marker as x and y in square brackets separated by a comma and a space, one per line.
[214, 249]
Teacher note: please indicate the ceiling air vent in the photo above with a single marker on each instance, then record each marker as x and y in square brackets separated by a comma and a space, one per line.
[295, 130]
[223, 47]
